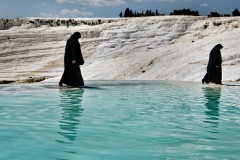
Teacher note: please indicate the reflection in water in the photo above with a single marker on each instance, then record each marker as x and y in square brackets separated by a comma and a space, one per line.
[71, 111]
[212, 96]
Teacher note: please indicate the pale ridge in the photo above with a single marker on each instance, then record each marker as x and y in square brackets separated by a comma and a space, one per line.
[174, 48]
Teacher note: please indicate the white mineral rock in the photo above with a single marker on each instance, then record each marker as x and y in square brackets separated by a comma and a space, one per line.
[172, 48]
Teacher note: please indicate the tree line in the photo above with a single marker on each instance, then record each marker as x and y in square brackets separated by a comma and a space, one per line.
[185, 12]
[236, 12]
[216, 14]
[130, 13]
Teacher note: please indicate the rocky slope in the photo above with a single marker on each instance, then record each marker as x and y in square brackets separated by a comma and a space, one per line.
[149, 48]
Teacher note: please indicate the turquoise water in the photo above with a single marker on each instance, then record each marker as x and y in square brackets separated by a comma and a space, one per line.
[119, 120]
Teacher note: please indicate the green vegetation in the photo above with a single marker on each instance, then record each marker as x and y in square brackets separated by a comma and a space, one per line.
[236, 12]
[129, 13]
[185, 12]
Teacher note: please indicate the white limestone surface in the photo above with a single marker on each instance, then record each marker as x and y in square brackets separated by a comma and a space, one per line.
[173, 48]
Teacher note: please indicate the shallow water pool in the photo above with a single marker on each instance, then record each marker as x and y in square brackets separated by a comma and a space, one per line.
[119, 120]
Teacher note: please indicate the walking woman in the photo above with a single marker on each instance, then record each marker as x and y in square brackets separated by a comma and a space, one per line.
[72, 59]
[214, 68]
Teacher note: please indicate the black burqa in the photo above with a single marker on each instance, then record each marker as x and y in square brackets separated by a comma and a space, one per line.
[214, 73]
[72, 74]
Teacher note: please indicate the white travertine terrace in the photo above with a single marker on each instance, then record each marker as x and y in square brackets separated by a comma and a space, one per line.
[174, 48]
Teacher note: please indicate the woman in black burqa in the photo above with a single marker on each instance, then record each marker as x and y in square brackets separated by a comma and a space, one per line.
[214, 67]
[72, 59]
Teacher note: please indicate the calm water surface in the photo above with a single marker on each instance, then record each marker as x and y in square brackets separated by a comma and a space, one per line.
[119, 120]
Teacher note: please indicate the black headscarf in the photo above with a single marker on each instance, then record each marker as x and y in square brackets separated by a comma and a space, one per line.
[75, 36]
[219, 46]
[216, 49]
[73, 40]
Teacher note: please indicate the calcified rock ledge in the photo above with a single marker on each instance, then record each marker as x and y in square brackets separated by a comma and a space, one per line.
[174, 48]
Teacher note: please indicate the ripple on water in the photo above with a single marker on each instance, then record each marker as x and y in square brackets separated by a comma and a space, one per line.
[120, 120]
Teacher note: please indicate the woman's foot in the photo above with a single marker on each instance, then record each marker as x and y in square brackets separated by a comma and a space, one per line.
[60, 83]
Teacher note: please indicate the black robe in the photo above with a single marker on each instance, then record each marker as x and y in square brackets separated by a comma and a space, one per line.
[214, 74]
[72, 75]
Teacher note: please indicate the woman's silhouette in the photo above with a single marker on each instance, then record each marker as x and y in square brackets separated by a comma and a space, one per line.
[72, 59]
[214, 68]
